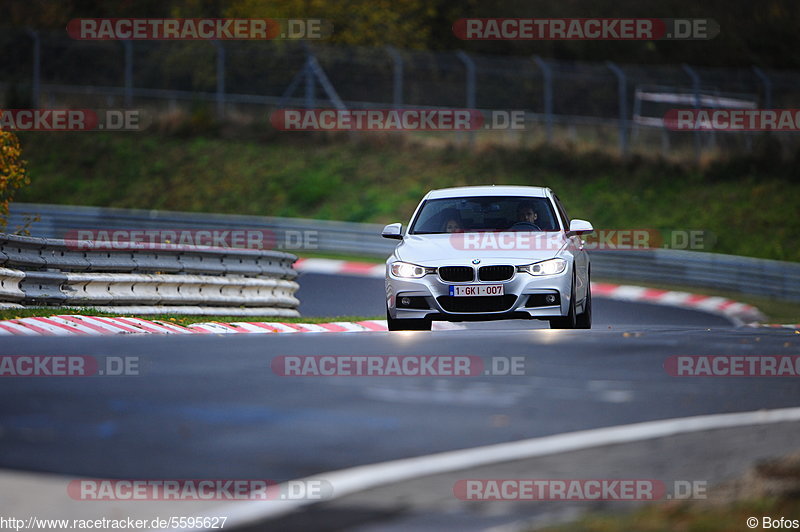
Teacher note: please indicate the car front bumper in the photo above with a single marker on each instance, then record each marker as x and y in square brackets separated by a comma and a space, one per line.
[435, 293]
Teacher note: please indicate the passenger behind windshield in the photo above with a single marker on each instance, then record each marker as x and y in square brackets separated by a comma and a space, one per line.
[452, 221]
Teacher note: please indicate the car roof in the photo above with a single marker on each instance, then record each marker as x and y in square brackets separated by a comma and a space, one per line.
[488, 190]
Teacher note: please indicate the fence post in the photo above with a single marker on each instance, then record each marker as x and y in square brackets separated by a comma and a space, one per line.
[300, 76]
[469, 65]
[696, 88]
[327, 86]
[398, 76]
[623, 106]
[310, 88]
[767, 86]
[220, 79]
[310, 92]
[128, 98]
[36, 86]
[547, 75]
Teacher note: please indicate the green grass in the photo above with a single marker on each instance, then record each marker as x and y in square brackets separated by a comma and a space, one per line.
[9, 314]
[686, 517]
[749, 204]
[350, 257]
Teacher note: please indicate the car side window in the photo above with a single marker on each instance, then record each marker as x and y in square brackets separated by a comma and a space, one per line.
[562, 211]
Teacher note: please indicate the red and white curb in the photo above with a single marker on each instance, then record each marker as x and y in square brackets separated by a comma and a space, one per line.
[75, 325]
[340, 267]
[794, 326]
[739, 312]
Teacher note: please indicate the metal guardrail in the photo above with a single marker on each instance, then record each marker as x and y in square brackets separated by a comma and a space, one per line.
[689, 268]
[37, 271]
[746, 275]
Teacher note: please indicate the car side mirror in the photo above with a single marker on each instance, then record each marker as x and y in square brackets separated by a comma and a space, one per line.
[580, 227]
[394, 231]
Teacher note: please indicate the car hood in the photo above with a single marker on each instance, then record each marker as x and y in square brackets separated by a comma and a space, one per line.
[462, 248]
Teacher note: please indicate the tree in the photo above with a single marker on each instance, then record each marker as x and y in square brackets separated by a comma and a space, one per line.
[13, 174]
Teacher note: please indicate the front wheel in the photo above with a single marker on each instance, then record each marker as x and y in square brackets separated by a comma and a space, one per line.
[569, 321]
[584, 319]
[421, 324]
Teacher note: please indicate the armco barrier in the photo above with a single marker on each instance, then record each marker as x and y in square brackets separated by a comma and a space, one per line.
[745, 275]
[688, 268]
[38, 271]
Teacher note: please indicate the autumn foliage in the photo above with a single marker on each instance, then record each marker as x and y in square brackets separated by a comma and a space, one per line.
[13, 173]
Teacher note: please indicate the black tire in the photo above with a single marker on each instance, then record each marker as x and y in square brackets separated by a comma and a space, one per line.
[584, 319]
[422, 324]
[569, 321]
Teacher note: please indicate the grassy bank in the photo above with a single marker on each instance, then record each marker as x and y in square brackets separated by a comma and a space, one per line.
[769, 488]
[684, 517]
[750, 204]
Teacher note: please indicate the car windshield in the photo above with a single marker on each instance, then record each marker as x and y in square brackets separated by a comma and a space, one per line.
[486, 213]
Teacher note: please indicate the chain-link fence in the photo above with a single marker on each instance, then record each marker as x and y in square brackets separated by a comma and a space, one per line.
[619, 106]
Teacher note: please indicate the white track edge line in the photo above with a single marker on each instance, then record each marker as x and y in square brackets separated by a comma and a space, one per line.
[360, 478]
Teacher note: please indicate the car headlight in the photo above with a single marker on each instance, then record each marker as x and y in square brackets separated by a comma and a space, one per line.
[408, 270]
[546, 267]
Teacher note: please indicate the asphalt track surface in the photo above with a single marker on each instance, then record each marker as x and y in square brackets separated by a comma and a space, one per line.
[211, 407]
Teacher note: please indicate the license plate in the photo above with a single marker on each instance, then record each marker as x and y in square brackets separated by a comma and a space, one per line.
[476, 290]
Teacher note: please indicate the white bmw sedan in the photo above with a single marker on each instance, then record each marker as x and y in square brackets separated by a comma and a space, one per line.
[488, 253]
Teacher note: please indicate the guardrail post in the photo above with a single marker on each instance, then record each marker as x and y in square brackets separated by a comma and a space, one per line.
[623, 106]
[471, 72]
[547, 75]
[37, 69]
[767, 86]
[696, 88]
[220, 79]
[128, 45]
[397, 76]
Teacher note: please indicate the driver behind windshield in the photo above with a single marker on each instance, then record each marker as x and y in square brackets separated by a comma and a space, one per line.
[526, 215]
